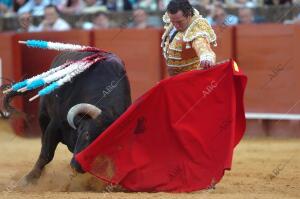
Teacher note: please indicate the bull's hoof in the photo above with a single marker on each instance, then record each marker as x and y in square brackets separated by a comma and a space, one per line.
[24, 182]
[75, 165]
[29, 179]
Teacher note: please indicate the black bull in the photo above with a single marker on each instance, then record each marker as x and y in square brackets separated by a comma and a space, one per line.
[90, 103]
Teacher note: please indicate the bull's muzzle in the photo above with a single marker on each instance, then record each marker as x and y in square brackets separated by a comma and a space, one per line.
[75, 165]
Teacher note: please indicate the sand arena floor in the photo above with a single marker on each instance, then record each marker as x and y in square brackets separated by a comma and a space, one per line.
[262, 168]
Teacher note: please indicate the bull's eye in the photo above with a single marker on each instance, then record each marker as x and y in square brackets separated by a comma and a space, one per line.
[80, 129]
[86, 136]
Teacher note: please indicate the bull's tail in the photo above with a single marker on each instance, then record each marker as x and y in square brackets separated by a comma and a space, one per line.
[7, 109]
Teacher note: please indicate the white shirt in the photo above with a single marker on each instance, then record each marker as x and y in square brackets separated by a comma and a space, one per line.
[59, 25]
[35, 9]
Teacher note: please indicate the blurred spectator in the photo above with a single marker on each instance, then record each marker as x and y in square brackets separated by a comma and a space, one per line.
[246, 16]
[204, 3]
[142, 20]
[35, 7]
[101, 21]
[71, 6]
[25, 22]
[127, 4]
[121, 5]
[194, 2]
[241, 3]
[52, 21]
[150, 5]
[5, 6]
[112, 5]
[93, 6]
[218, 16]
[278, 2]
[17, 4]
[57, 2]
[295, 20]
[162, 4]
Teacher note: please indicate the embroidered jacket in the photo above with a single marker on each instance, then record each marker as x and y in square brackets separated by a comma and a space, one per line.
[185, 51]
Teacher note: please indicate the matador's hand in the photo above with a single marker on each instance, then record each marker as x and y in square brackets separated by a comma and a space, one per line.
[205, 64]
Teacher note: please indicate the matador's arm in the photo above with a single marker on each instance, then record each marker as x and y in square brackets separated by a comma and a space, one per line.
[205, 53]
[201, 35]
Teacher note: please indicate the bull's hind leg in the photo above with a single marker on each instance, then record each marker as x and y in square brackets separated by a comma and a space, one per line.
[50, 139]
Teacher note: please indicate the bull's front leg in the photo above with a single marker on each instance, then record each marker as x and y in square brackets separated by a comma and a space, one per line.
[50, 139]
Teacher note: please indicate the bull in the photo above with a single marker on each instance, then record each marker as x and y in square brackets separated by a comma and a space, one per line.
[78, 112]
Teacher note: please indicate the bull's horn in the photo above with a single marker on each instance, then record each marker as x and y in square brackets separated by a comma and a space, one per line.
[83, 108]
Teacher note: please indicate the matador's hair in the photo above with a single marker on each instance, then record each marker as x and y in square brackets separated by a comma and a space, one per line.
[184, 5]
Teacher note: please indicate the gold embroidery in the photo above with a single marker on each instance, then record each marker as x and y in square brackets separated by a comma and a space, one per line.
[181, 63]
[200, 28]
[203, 50]
[177, 70]
[174, 53]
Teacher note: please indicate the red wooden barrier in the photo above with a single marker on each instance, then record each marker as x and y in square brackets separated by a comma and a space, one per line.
[139, 49]
[268, 55]
[225, 42]
[11, 65]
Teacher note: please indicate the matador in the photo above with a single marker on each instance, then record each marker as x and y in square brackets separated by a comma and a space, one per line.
[187, 39]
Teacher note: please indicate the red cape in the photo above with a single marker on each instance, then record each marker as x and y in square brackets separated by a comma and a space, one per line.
[179, 136]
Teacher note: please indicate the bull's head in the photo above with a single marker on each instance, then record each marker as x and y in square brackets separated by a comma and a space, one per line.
[88, 122]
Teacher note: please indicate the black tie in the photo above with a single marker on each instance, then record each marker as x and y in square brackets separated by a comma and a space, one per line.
[173, 36]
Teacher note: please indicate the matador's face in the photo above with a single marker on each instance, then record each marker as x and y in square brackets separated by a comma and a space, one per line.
[179, 21]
